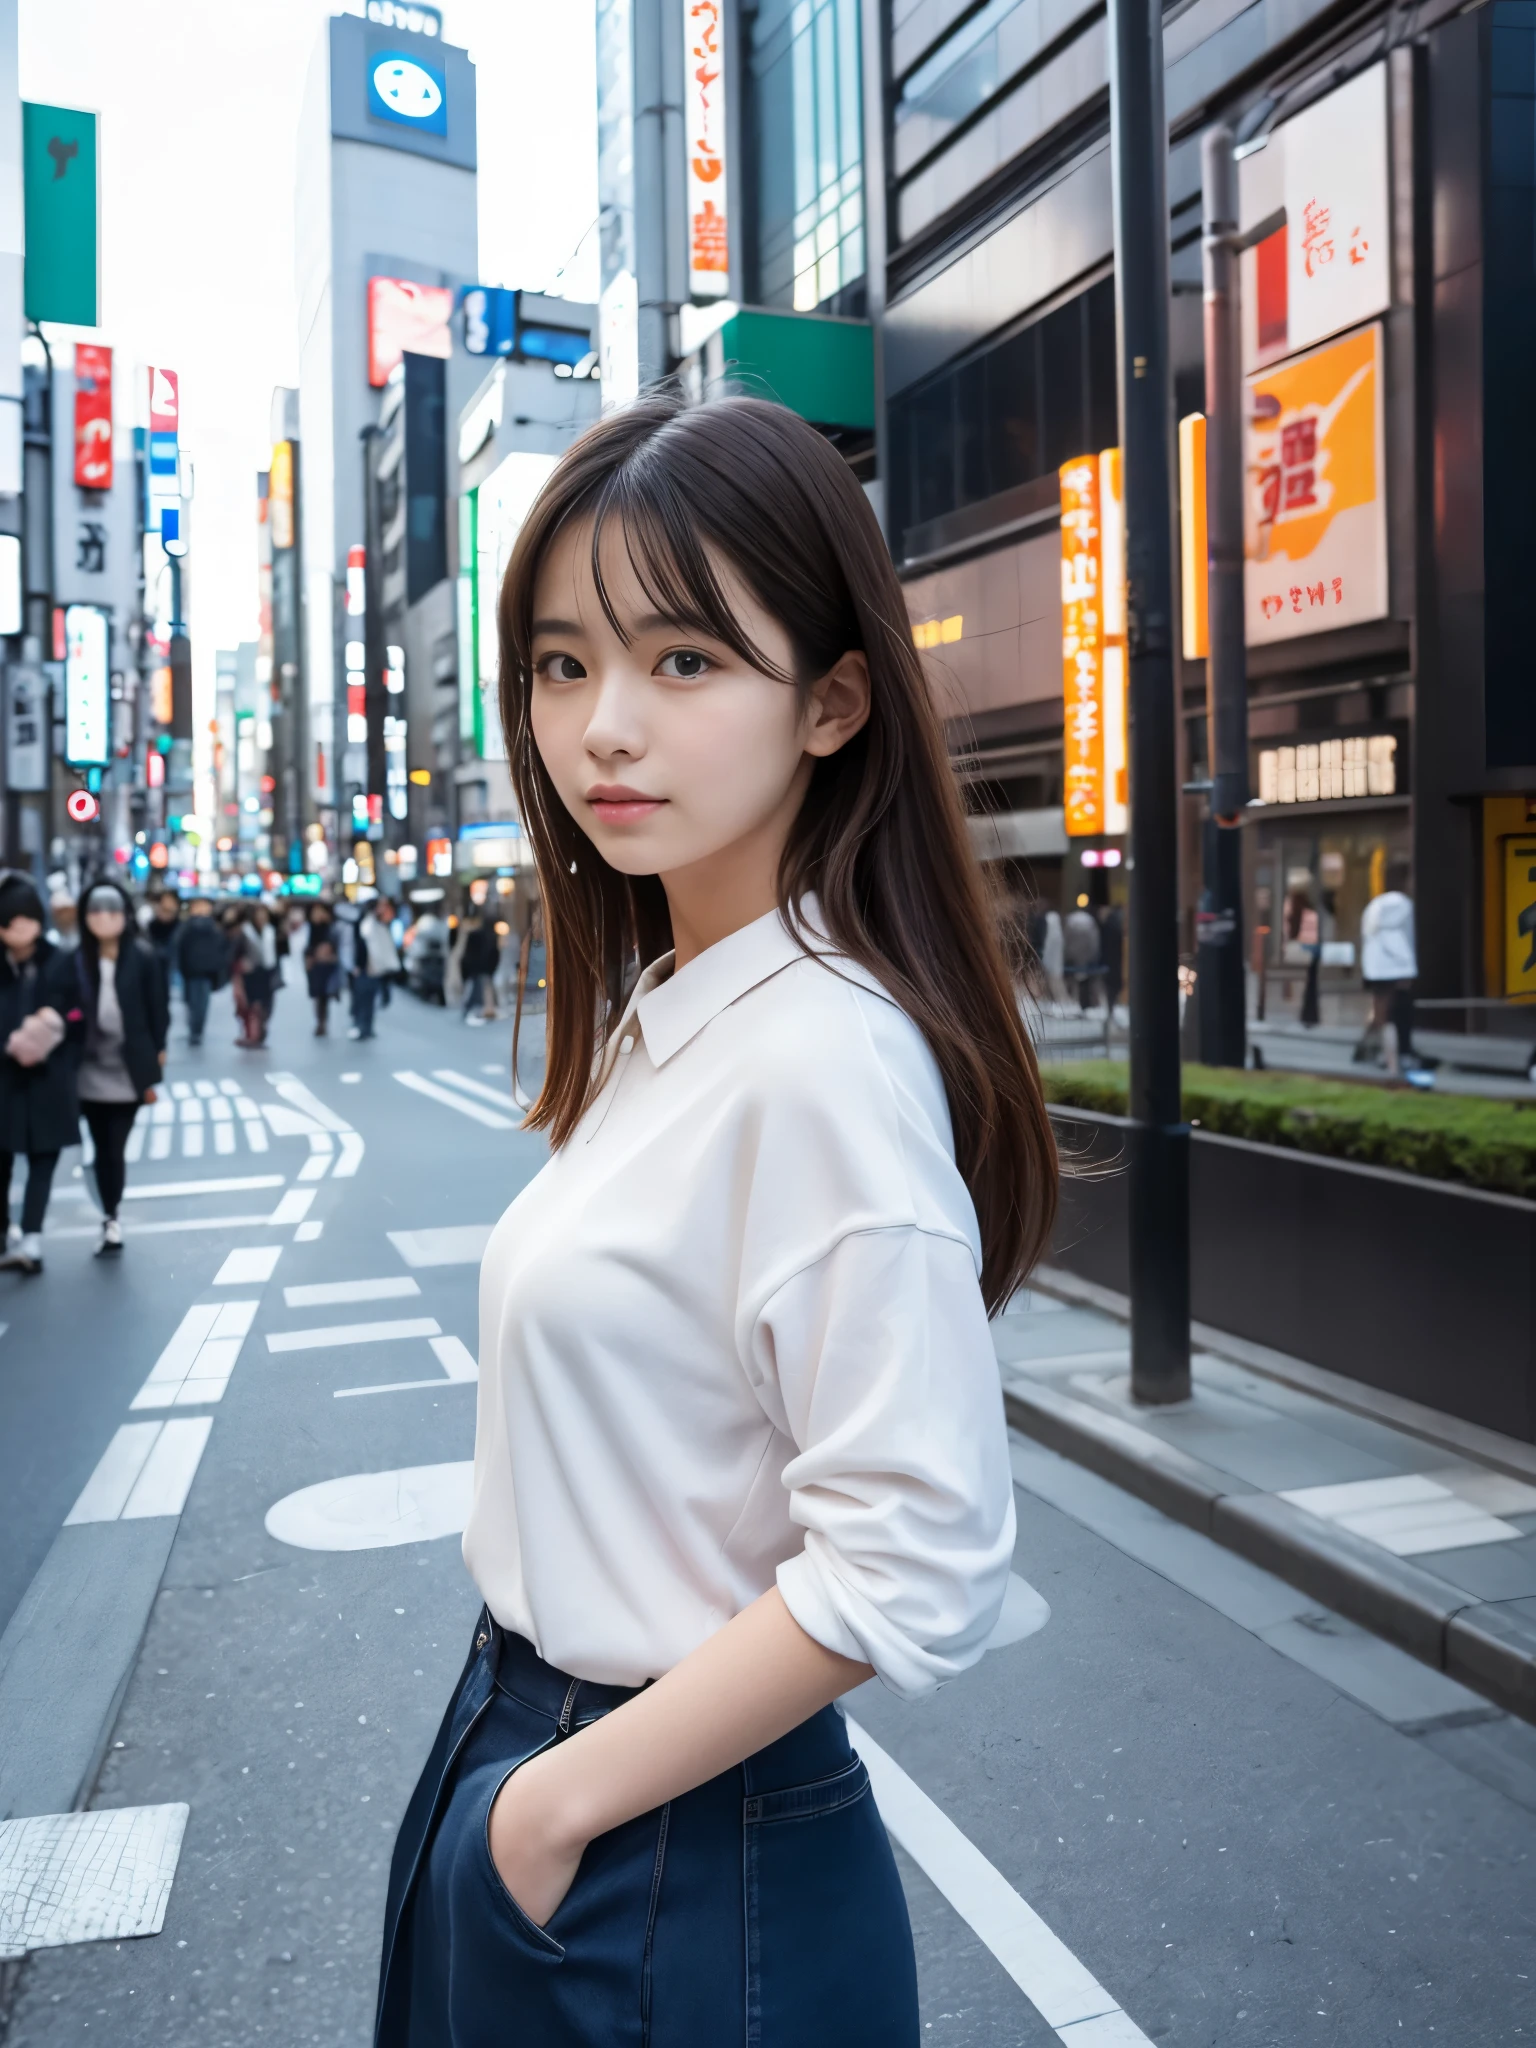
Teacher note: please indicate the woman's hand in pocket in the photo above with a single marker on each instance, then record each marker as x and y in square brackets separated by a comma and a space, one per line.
[535, 1854]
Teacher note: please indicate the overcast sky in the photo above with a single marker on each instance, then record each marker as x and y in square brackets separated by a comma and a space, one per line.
[199, 104]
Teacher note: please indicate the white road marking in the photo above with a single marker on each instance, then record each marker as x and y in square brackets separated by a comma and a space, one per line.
[456, 1358]
[196, 1364]
[106, 1491]
[224, 1138]
[230, 1087]
[256, 1134]
[451, 1101]
[459, 1244]
[351, 1156]
[499, 1096]
[295, 1092]
[375, 1510]
[146, 1471]
[329, 1293]
[71, 1877]
[314, 1167]
[220, 1111]
[287, 1122]
[239, 1184]
[294, 1206]
[192, 1139]
[162, 1487]
[181, 1090]
[163, 1111]
[191, 1110]
[160, 1139]
[338, 1336]
[1025, 1613]
[350, 1077]
[204, 1089]
[1068, 1997]
[248, 1265]
[182, 1223]
[307, 1233]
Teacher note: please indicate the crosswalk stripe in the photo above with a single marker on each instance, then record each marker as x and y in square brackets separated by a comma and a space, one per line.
[452, 1101]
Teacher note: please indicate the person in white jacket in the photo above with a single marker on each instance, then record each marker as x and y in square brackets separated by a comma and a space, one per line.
[377, 956]
[1389, 966]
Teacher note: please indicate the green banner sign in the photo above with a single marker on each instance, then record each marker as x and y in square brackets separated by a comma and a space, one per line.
[63, 269]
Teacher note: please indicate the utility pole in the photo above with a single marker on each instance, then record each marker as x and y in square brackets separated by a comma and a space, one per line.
[1159, 1137]
[1219, 990]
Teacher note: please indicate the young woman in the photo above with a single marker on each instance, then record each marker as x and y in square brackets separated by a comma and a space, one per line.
[39, 1030]
[740, 1439]
[127, 1017]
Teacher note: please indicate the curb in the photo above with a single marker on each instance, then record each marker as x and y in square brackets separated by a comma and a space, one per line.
[1489, 1646]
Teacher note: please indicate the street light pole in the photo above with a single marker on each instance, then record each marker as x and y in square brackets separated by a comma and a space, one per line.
[1159, 1138]
[1219, 989]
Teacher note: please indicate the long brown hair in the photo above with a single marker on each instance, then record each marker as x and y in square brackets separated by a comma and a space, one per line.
[881, 837]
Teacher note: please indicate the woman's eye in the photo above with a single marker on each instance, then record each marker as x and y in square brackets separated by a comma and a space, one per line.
[561, 668]
[685, 665]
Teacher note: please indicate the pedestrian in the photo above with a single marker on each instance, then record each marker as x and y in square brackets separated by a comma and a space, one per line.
[162, 931]
[1389, 966]
[740, 1439]
[1053, 960]
[377, 960]
[65, 921]
[40, 1020]
[482, 950]
[322, 968]
[389, 917]
[1112, 949]
[1304, 937]
[202, 959]
[1080, 948]
[261, 973]
[127, 1015]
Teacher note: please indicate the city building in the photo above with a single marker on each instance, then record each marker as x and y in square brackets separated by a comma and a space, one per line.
[387, 237]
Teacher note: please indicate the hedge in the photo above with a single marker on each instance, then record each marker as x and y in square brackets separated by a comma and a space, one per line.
[1471, 1139]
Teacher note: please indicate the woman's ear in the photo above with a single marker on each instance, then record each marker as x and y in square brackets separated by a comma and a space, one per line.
[838, 706]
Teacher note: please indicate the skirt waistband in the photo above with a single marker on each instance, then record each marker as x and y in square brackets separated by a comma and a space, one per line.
[519, 1669]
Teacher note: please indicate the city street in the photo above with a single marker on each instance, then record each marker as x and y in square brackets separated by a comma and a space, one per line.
[270, 1401]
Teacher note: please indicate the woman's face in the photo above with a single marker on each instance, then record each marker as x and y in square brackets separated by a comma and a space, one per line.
[105, 924]
[670, 749]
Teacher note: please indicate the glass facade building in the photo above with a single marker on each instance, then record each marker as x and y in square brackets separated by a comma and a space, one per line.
[807, 221]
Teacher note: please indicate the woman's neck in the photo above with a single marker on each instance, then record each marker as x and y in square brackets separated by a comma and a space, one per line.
[107, 948]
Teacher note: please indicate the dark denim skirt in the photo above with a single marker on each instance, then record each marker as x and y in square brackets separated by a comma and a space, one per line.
[763, 1908]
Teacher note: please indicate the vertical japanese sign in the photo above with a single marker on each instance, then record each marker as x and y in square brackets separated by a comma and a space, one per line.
[1315, 503]
[1082, 647]
[704, 97]
[61, 203]
[164, 427]
[280, 495]
[87, 707]
[1117, 773]
[93, 416]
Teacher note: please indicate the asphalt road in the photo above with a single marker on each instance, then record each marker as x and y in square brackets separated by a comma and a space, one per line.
[1242, 1825]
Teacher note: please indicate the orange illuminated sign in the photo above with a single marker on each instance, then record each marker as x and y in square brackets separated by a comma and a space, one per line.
[1093, 657]
[709, 256]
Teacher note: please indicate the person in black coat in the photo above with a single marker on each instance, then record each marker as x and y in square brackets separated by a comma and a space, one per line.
[202, 955]
[40, 1026]
[127, 1013]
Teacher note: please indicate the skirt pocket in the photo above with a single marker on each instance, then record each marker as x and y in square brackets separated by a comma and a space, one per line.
[829, 1944]
[544, 1943]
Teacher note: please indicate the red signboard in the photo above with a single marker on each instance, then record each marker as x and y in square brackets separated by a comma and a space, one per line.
[405, 317]
[164, 402]
[93, 416]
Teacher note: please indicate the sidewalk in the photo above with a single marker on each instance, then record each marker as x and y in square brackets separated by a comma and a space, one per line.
[1415, 1525]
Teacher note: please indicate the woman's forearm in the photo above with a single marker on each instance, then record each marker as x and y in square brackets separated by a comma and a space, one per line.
[750, 1683]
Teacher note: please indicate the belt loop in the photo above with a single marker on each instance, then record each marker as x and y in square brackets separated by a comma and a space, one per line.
[569, 1707]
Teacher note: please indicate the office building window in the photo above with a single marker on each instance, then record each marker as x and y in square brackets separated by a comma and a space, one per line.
[1012, 411]
[962, 74]
[807, 150]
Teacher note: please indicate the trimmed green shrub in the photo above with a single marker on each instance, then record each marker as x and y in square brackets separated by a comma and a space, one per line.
[1470, 1139]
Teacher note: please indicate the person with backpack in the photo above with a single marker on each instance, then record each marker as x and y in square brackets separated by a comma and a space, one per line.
[126, 1018]
[202, 958]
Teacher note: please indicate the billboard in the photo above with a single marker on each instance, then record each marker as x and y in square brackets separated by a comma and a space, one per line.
[704, 103]
[410, 90]
[1095, 783]
[1315, 513]
[61, 209]
[87, 687]
[1329, 267]
[402, 317]
[93, 416]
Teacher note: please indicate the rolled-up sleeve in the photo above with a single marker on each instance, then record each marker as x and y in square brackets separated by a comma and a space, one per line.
[880, 1363]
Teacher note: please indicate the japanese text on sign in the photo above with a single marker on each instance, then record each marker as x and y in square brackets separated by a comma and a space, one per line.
[1082, 648]
[709, 260]
[93, 416]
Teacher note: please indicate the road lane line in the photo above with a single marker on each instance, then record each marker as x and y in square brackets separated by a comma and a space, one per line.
[1068, 1997]
[248, 1265]
[393, 1387]
[196, 1364]
[162, 1487]
[456, 1358]
[329, 1293]
[336, 1336]
[294, 1206]
[456, 1244]
[498, 1096]
[449, 1100]
[117, 1470]
[238, 1184]
[295, 1092]
[350, 1157]
[307, 1233]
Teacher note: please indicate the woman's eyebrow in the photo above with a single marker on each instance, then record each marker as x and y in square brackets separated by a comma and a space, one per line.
[555, 626]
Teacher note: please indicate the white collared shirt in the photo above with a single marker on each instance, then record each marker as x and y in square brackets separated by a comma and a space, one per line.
[733, 1334]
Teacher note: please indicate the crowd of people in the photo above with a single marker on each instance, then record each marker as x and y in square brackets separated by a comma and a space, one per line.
[85, 1010]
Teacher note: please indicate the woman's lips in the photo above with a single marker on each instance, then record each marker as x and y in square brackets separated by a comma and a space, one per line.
[622, 806]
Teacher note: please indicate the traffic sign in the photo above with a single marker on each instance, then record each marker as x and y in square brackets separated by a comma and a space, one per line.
[82, 806]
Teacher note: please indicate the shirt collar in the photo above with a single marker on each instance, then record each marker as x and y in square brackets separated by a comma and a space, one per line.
[674, 1006]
